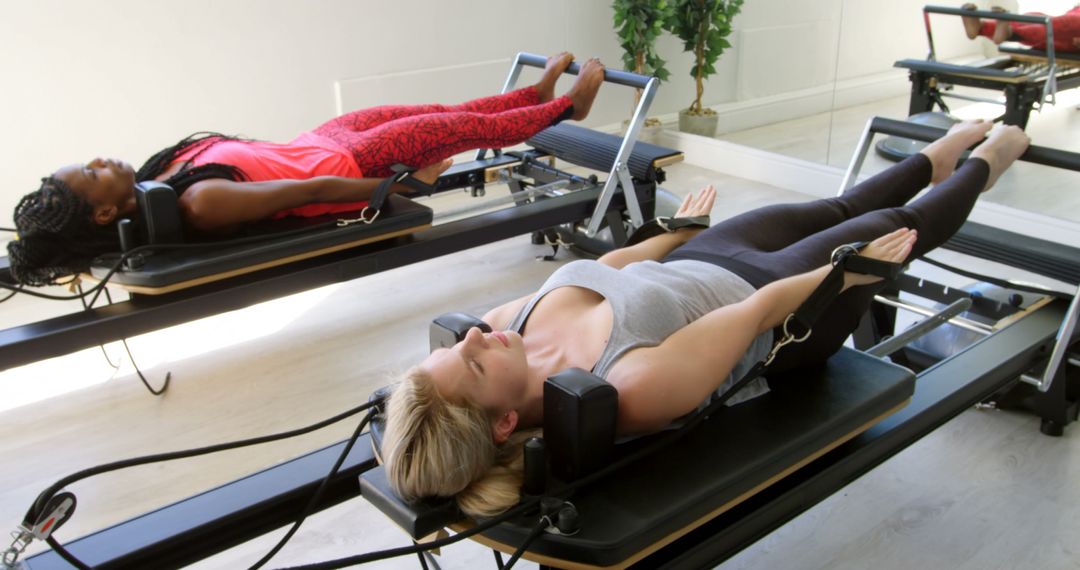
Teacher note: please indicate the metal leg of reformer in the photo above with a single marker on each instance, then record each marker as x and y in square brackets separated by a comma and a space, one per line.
[858, 158]
[1061, 346]
[620, 174]
[511, 80]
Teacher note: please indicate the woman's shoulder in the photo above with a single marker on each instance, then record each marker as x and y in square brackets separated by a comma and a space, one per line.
[500, 317]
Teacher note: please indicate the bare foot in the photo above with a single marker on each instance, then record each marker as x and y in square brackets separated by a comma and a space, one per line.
[430, 173]
[945, 152]
[1002, 29]
[555, 67]
[972, 25]
[590, 78]
[1002, 147]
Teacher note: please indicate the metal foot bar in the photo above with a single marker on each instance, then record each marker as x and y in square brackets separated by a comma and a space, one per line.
[1045, 156]
[620, 174]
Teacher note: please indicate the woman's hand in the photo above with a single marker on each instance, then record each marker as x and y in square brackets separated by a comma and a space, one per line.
[700, 205]
[430, 173]
[894, 247]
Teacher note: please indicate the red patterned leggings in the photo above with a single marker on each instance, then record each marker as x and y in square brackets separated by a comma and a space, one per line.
[419, 135]
[1066, 30]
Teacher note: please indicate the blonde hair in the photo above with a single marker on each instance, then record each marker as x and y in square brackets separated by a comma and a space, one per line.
[433, 447]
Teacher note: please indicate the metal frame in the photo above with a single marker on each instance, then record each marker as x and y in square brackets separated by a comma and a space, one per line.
[1034, 154]
[620, 174]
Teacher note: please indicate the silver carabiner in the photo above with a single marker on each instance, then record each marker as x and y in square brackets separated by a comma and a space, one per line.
[22, 539]
[362, 219]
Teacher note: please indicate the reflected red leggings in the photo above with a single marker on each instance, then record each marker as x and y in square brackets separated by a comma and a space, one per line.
[1066, 29]
[419, 135]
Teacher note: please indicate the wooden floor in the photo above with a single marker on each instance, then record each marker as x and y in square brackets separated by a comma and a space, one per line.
[987, 490]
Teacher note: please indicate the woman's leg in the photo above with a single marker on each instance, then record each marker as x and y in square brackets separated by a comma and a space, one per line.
[364, 119]
[424, 139]
[936, 216]
[774, 228]
[421, 140]
[1066, 31]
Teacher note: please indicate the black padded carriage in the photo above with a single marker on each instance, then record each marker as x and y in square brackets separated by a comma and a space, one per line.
[597, 150]
[172, 269]
[720, 463]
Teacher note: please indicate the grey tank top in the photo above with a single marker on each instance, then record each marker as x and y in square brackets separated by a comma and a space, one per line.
[650, 301]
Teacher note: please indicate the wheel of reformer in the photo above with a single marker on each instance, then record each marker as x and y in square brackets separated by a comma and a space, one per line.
[667, 204]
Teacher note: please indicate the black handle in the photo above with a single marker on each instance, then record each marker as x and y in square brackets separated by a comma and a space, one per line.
[1034, 154]
[610, 75]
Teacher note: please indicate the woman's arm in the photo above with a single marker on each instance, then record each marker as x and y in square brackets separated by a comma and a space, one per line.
[220, 204]
[658, 384]
[657, 247]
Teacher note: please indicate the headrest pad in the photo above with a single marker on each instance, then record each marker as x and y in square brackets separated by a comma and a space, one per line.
[161, 216]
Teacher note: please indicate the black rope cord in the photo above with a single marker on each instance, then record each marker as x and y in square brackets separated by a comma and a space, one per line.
[314, 500]
[131, 358]
[37, 508]
[533, 535]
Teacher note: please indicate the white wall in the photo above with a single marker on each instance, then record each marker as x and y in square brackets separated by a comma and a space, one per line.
[124, 78]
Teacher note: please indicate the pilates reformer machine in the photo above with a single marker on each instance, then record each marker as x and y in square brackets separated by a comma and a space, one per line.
[695, 500]
[1026, 78]
[171, 284]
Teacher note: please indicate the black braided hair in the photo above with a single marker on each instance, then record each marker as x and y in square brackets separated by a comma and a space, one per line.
[57, 235]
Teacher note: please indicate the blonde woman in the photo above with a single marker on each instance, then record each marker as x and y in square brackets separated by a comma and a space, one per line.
[671, 321]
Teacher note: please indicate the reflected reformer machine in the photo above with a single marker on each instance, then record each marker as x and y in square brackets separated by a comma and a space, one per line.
[1027, 78]
[700, 499]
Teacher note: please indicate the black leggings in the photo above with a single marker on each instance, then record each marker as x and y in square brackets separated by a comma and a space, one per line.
[775, 242]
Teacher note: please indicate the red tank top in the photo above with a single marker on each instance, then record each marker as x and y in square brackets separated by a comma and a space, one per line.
[306, 156]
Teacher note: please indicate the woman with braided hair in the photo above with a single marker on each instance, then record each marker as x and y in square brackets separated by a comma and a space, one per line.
[225, 182]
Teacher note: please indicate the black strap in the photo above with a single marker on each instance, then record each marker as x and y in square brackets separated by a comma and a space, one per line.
[401, 175]
[798, 325]
[660, 225]
[844, 258]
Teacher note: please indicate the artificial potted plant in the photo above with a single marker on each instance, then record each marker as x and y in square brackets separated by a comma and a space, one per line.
[703, 26]
[638, 23]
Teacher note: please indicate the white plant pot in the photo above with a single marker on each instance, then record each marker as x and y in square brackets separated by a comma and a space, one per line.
[704, 125]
